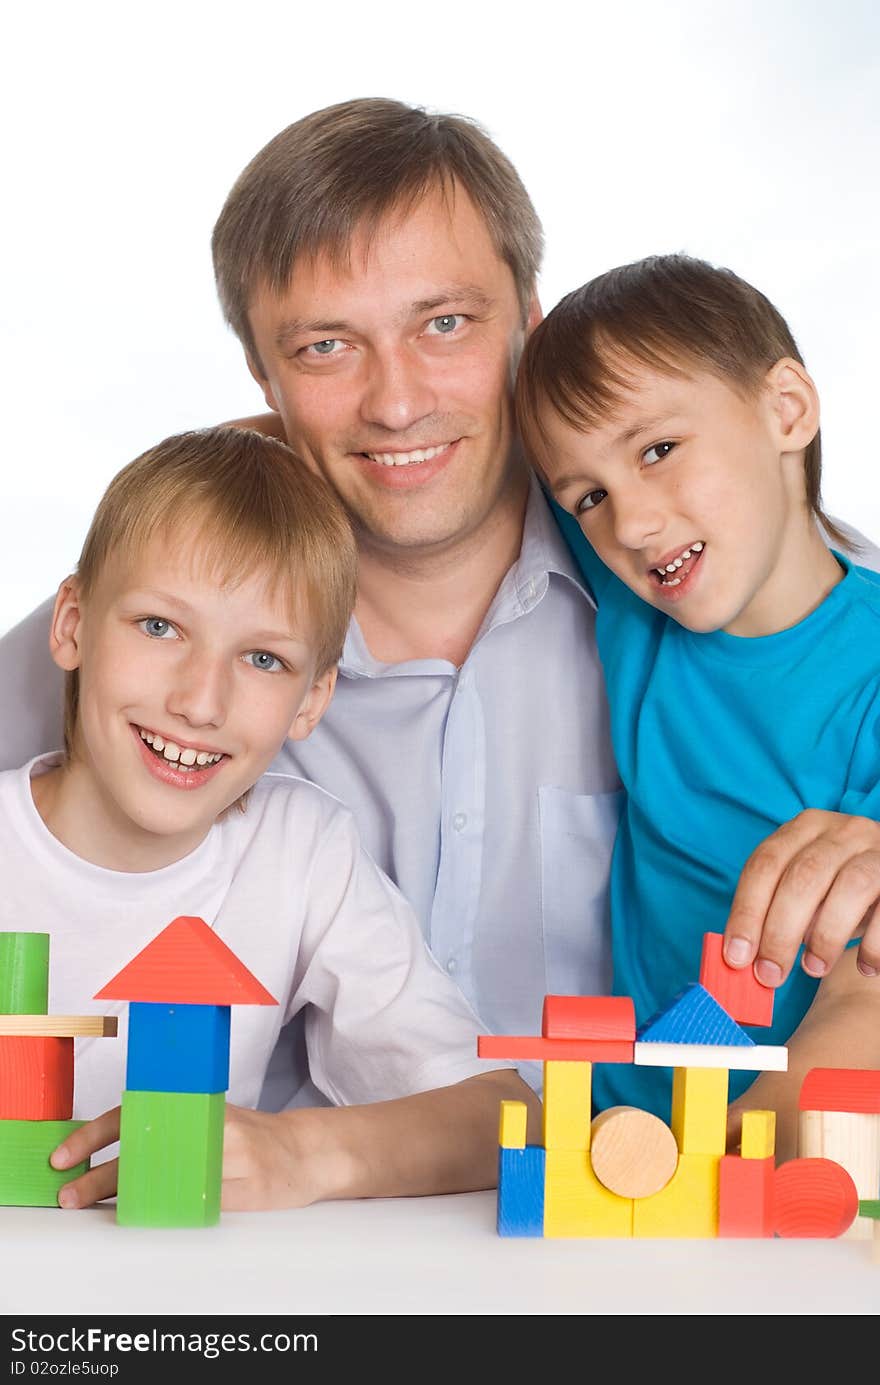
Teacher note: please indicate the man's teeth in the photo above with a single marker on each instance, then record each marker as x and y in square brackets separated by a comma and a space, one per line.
[664, 572]
[421, 454]
[184, 759]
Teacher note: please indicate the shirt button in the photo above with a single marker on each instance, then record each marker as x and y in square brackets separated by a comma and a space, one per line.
[451, 965]
[459, 821]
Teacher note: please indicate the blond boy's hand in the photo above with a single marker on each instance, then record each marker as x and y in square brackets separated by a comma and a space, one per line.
[816, 881]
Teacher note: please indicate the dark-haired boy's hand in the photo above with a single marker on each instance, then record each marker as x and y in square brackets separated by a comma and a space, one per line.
[98, 1182]
[814, 881]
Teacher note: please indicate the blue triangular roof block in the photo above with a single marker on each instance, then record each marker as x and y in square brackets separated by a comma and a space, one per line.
[693, 1017]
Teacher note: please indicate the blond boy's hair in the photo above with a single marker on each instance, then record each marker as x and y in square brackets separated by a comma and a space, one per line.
[242, 503]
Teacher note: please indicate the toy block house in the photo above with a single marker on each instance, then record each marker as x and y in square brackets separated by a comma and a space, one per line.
[36, 1073]
[180, 988]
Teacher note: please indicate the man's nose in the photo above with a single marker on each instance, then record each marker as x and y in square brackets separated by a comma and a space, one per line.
[398, 391]
[200, 690]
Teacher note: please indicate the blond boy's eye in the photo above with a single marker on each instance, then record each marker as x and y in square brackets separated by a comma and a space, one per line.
[657, 452]
[155, 626]
[262, 659]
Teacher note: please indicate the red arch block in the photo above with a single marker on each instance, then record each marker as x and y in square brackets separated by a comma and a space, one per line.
[813, 1197]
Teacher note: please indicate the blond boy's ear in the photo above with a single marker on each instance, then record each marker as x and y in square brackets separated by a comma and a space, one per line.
[794, 400]
[313, 707]
[65, 627]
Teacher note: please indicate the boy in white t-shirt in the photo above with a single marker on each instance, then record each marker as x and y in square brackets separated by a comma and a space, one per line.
[202, 627]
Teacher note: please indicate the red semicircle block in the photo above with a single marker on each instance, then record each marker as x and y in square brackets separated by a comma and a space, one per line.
[813, 1197]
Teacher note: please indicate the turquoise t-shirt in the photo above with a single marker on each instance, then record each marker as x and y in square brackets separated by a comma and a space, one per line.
[719, 739]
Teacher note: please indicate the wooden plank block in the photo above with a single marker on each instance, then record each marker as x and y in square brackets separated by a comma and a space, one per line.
[26, 1176]
[36, 1079]
[699, 1110]
[758, 1058]
[633, 1153]
[170, 1158]
[758, 1135]
[24, 973]
[61, 1026]
[575, 1202]
[189, 964]
[521, 1191]
[687, 1207]
[177, 1048]
[841, 1089]
[533, 1047]
[694, 1017]
[813, 1197]
[606, 1017]
[567, 1105]
[736, 988]
[745, 1196]
[851, 1139]
[512, 1123]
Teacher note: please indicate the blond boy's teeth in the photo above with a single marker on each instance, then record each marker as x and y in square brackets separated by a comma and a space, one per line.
[421, 454]
[169, 751]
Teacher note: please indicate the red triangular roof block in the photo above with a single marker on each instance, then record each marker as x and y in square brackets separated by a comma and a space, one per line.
[187, 964]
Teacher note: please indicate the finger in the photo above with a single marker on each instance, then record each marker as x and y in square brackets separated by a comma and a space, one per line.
[802, 890]
[91, 1187]
[87, 1140]
[759, 879]
[868, 961]
[854, 892]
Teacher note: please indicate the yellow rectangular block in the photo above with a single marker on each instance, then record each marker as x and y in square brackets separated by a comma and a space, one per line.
[758, 1138]
[567, 1105]
[699, 1110]
[687, 1206]
[576, 1203]
[512, 1125]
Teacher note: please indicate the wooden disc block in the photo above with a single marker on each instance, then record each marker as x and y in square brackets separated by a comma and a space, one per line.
[633, 1152]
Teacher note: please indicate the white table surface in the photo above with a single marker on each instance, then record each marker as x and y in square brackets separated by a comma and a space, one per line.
[438, 1255]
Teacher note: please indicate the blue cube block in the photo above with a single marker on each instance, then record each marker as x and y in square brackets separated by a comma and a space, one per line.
[177, 1048]
[521, 1191]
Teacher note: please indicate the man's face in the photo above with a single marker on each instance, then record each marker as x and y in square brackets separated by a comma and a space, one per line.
[393, 376]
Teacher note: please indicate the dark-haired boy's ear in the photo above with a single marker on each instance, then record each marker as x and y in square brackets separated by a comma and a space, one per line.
[259, 375]
[795, 403]
[316, 702]
[65, 626]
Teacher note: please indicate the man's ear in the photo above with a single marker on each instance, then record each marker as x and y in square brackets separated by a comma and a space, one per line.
[315, 704]
[794, 401]
[259, 375]
[536, 314]
[66, 624]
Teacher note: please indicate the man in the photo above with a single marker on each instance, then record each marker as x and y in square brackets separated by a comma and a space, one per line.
[379, 265]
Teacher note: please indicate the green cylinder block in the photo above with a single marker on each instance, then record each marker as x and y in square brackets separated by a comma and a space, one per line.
[24, 973]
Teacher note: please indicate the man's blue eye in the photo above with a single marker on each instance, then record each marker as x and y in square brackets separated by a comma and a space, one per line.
[445, 324]
[324, 348]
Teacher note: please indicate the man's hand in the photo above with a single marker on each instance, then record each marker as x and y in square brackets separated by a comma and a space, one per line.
[816, 881]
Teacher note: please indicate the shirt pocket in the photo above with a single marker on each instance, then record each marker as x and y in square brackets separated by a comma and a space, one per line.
[577, 839]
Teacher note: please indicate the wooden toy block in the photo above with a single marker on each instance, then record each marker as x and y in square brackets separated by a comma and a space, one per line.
[870, 1207]
[187, 963]
[813, 1197]
[24, 973]
[524, 1047]
[567, 1105]
[177, 1048]
[36, 1079]
[512, 1123]
[694, 1017]
[745, 1196]
[758, 1135]
[606, 1017]
[26, 1176]
[851, 1139]
[699, 1110]
[575, 1202]
[60, 1026]
[687, 1207]
[841, 1089]
[633, 1153]
[738, 990]
[521, 1191]
[757, 1058]
[170, 1158]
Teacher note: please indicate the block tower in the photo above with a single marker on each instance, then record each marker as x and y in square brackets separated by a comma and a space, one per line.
[180, 988]
[36, 1073]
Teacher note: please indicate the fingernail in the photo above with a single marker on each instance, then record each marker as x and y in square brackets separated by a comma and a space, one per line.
[813, 965]
[736, 951]
[68, 1198]
[768, 973]
[59, 1158]
[866, 970]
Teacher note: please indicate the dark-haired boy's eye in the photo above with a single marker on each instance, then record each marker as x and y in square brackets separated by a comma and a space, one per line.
[590, 501]
[662, 449]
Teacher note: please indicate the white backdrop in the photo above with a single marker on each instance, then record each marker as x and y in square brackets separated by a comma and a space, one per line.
[745, 132]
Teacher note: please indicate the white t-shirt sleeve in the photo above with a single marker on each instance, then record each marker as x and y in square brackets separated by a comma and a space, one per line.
[383, 1019]
[31, 690]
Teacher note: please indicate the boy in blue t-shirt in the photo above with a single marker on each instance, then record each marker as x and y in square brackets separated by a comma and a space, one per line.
[669, 412]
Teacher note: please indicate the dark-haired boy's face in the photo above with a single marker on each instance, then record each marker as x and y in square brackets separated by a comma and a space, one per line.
[394, 377]
[689, 496]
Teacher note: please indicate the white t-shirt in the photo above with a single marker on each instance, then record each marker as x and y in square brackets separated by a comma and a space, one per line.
[289, 889]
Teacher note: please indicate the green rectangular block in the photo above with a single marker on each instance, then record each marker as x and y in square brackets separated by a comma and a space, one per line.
[24, 973]
[26, 1176]
[170, 1158]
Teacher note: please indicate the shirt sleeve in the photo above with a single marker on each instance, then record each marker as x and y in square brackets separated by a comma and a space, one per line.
[383, 1020]
[31, 690]
[597, 576]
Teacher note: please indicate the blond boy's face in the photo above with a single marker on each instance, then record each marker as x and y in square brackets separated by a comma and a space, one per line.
[694, 496]
[187, 692]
